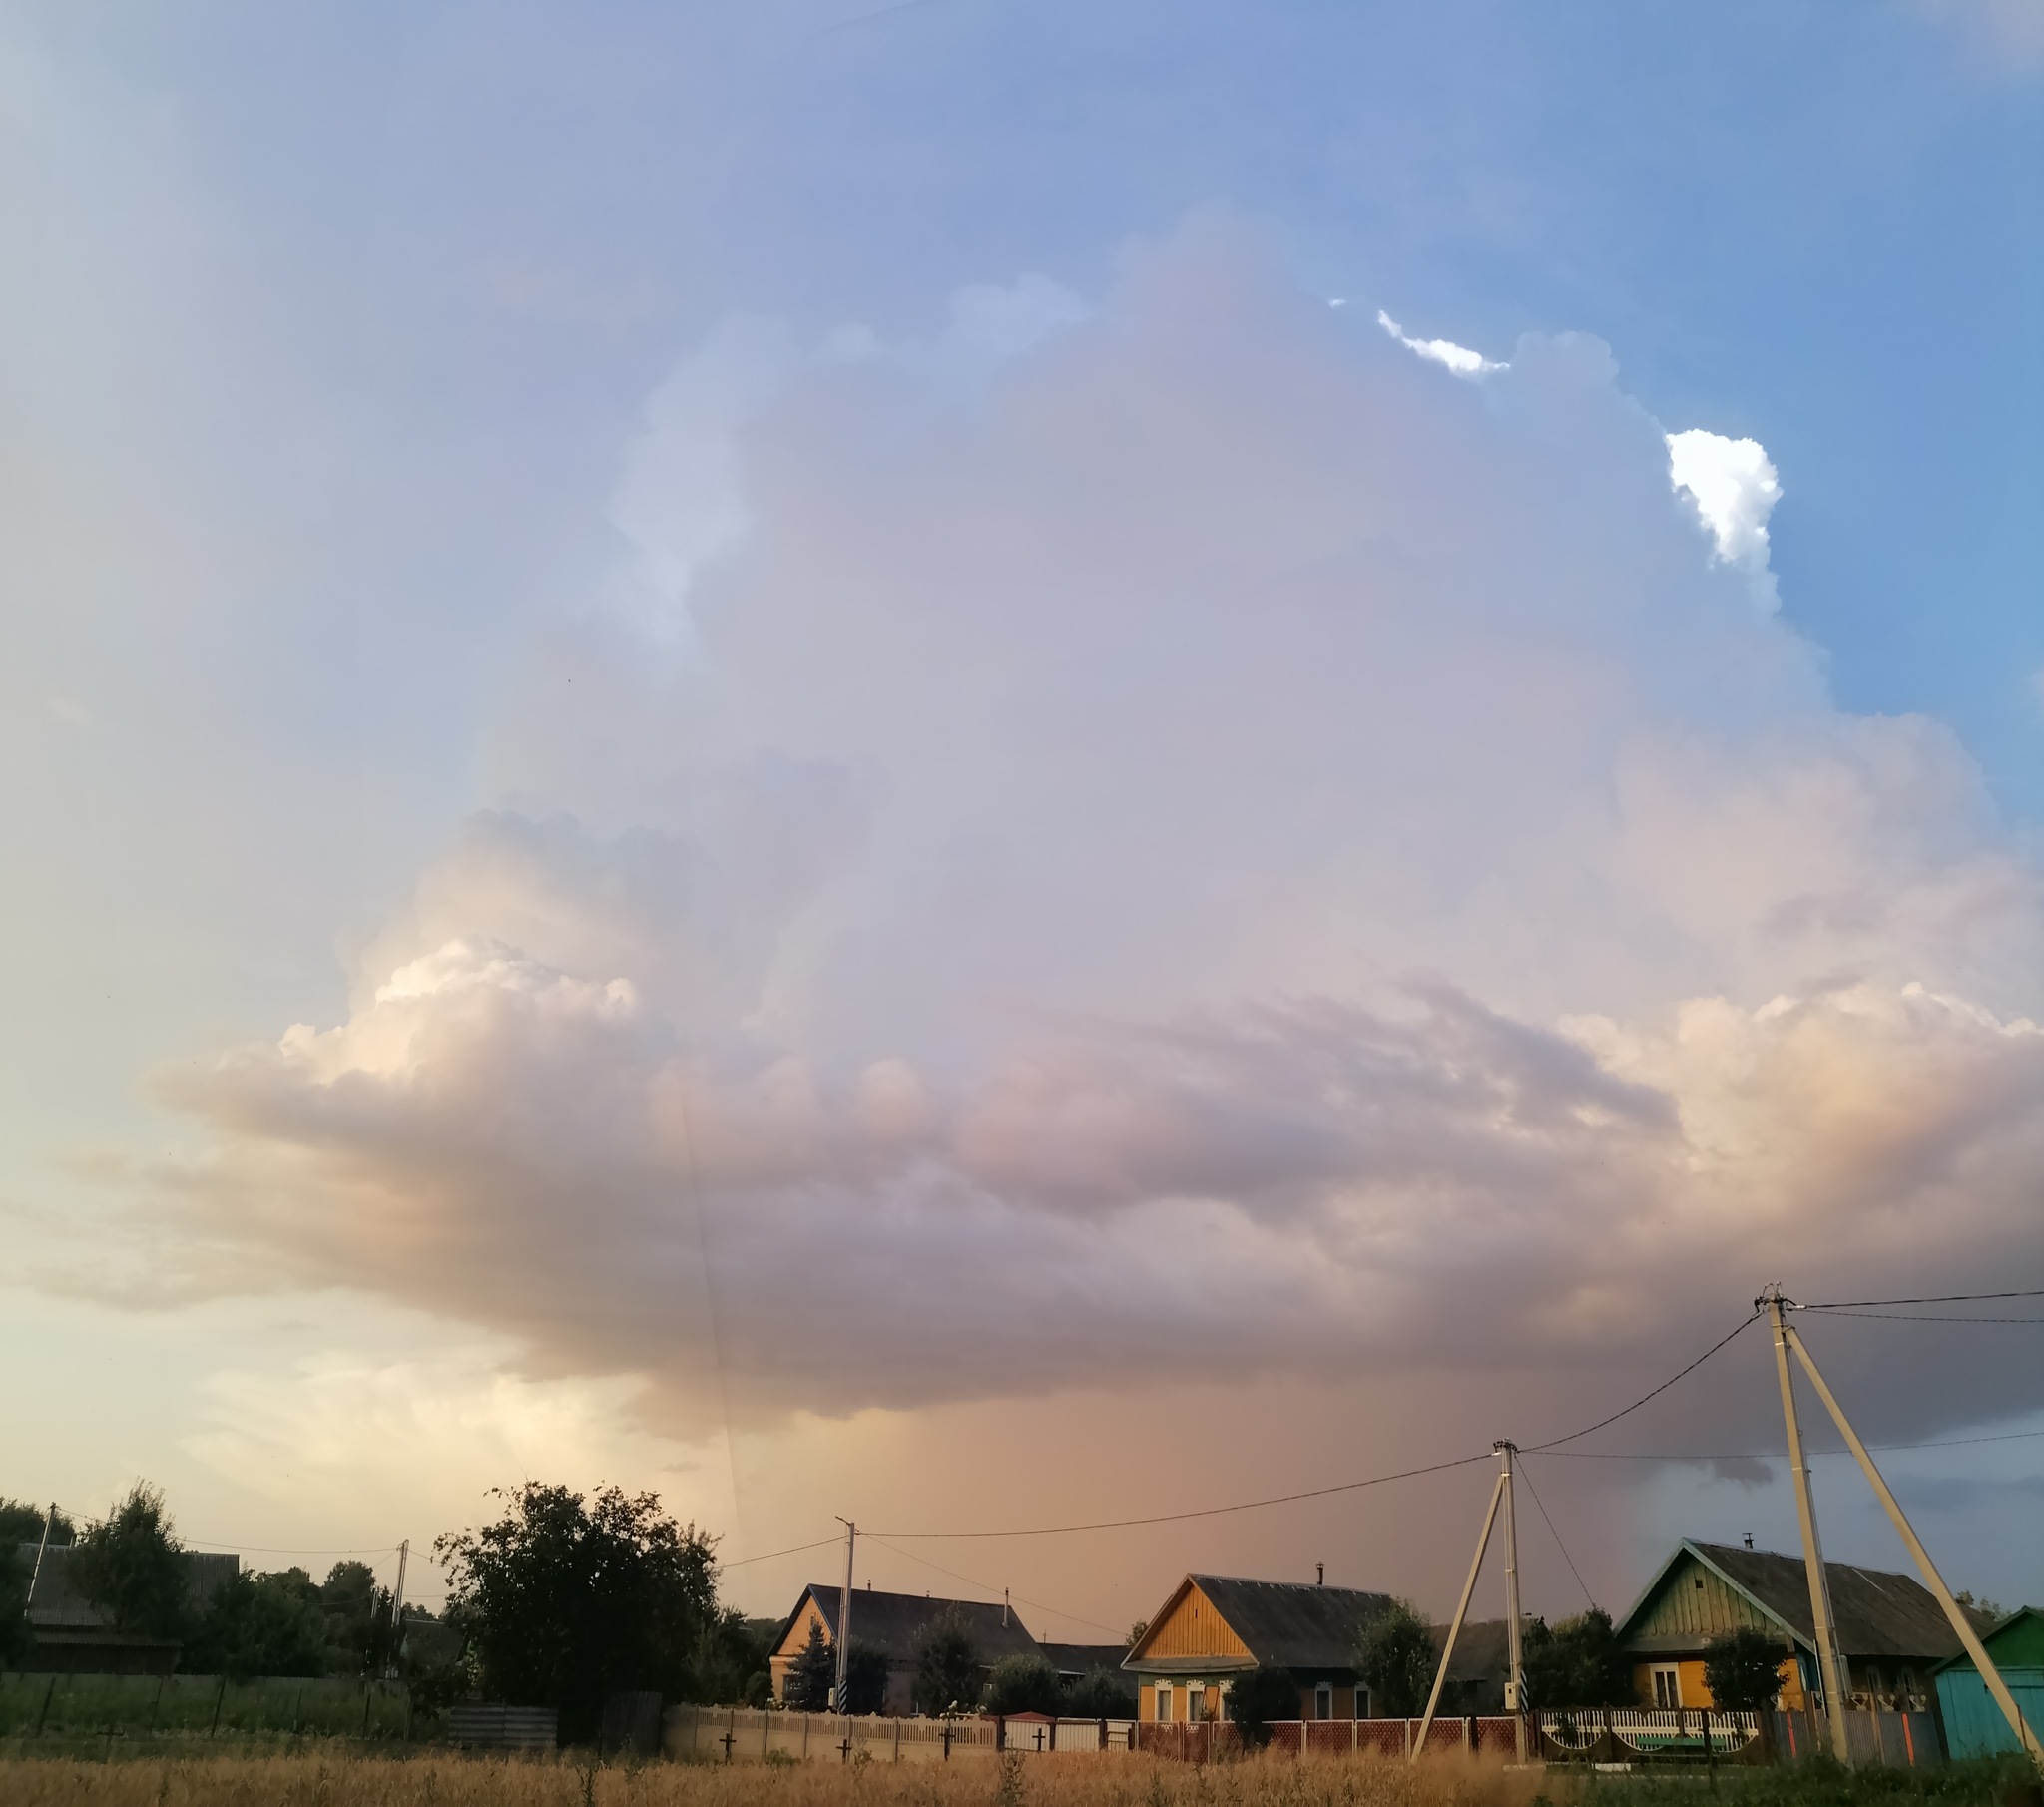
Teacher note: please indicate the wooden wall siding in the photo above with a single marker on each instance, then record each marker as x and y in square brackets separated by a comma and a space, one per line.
[1687, 1610]
[797, 1638]
[1193, 1628]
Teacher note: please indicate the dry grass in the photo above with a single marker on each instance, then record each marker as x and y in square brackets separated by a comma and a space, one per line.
[1066, 1781]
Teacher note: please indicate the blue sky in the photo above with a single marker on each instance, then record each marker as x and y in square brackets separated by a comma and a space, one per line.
[373, 371]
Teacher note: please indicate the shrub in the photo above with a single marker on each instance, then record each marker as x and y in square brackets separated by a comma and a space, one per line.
[1258, 1699]
[948, 1672]
[1024, 1685]
[1742, 1671]
[1101, 1695]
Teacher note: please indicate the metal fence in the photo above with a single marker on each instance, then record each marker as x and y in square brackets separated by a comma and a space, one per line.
[46, 1705]
[1876, 1740]
[1206, 1740]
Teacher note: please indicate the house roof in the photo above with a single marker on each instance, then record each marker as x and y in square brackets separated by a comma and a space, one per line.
[1282, 1625]
[1482, 1651]
[890, 1622]
[1878, 1612]
[1080, 1659]
[2016, 1640]
[59, 1607]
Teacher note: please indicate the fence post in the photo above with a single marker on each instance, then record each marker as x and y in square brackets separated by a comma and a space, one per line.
[1710, 1748]
[216, 1701]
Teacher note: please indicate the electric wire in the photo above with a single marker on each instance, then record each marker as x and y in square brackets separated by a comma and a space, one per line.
[1204, 1512]
[1626, 1412]
[768, 1555]
[1556, 1536]
[1941, 1442]
[1915, 1317]
[1943, 1298]
[988, 1587]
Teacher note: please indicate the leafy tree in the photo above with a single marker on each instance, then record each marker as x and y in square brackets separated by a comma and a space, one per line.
[732, 1662]
[14, 1635]
[132, 1567]
[1100, 1694]
[359, 1618]
[1396, 1657]
[1993, 1609]
[1577, 1665]
[865, 1678]
[811, 1675]
[1024, 1683]
[21, 1523]
[265, 1625]
[1258, 1699]
[562, 1601]
[948, 1671]
[1742, 1671]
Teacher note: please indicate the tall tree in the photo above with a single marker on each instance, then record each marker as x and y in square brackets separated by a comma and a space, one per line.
[865, 1678]
[811, 1675]
[948, 1671]
[132, 1567]
[1396, 1656]
[1578, 1664]
[265, 1625]
[562, 1601]
[22, 1522]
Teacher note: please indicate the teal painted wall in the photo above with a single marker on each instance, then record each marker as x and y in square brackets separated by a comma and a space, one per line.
[1974, 1725]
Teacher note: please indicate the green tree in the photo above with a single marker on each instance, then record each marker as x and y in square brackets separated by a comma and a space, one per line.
[1742, 1671]
[1396, 1657]
[865, 1678]
[948, 1671]
[14, 1634]
[265, 1625]
[132, 1567]
[732, 1665]
[1578, 1664]
[1024, 1683]
[359, 1618]
[21, 1523]
[1100, 1694]
[562, 1601]
[811, 1675]
[1258, 1699]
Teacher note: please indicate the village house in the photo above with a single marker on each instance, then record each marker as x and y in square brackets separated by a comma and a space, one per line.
[1213, 1627]
[68, 1636]
[1974, 1725]
[1891, 1630]
[891, 1624]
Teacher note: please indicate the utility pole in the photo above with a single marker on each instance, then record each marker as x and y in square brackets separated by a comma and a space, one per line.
[1831, 1664]
[35, 1573]
[842, 1701]
[1440, 1675]
[397, 1606]
[1515, 1683]
[1968, 1638]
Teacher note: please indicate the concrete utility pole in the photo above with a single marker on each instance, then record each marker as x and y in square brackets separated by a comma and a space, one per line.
[36, 1573]
[1515, 1681]
[840, 1700]
[1831, 1664]
[397, 1606]
[1440, 1675]
[1971, 1639]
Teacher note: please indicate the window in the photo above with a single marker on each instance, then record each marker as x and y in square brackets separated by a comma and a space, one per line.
[1324, 1701]
[1362, 1704]
[1667, 1686]
[1164, 1704]
[1196, 1702]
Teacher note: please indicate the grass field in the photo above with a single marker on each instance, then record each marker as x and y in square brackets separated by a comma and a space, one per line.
[316, 1778]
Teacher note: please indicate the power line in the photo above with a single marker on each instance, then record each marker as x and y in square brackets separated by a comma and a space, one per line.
[1915, 1317]
[1558, 1544]
[793, 1550]
[1556, 1442]
[1204, 1512]
[988, 1587]
[1943, 1442]
[1943, 1298]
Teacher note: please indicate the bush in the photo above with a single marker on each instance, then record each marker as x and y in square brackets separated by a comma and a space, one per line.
[1396, 1657]
[1258, 1699]
[1101, 1695]
[1742, 1671]
[1024, 1685]
[948, 1672]
[1577, 1665]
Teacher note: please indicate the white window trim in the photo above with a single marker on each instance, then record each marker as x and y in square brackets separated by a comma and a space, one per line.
[1673, 1674]
[1162, 1694]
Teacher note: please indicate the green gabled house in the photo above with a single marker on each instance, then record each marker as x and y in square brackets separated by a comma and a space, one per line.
[1973, 1724]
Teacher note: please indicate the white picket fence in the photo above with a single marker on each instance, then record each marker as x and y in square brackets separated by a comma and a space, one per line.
[736, 1734]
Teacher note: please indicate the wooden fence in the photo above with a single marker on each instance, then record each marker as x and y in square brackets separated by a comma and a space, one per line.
[736, 1734]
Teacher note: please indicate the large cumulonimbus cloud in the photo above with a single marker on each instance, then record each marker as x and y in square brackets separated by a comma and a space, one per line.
[1165, 832]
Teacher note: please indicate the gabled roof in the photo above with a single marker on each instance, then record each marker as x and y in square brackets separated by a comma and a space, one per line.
[1282, 1625]
[1076, 1660]
[1878, 1612]
[890, 1622]
[2026, 1628]
[59, 1607]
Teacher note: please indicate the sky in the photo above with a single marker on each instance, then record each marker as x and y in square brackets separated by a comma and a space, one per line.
[991, 767]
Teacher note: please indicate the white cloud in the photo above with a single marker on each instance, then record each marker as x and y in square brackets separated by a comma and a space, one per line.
[1009, 984]
[1735, 488]
[1459, 358]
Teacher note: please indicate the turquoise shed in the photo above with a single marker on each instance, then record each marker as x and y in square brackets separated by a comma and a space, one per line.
[1973, 1724]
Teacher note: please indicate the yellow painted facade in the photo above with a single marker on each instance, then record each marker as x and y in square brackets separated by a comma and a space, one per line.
[796, 1642]
[1188, 1628]
[1695, 1693]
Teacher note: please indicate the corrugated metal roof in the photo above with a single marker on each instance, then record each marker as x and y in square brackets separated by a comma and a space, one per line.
[1293, 1624]
[891, 1622]
[58, 1607]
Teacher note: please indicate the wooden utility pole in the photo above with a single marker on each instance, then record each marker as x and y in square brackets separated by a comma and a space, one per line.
[1961, 1624]
[1831, 1664]
[840, 1693]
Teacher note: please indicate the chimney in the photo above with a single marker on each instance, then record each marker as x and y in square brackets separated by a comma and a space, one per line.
[1749, 1540]
[1323, 1580]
